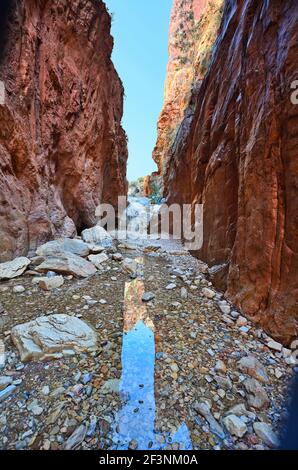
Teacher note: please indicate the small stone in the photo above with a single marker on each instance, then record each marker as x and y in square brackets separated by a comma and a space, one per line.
[274, 345]
[35, 408]
[171, 286]
[50, 283]
[210, 294]
[147, 296]
[19, 289]
[183, 293]
[174, 367]
[7, 392]
[254, 368]
[224, 382]
[133, 445]
[97, 260]
[117, 257]
[224, 307]
[76, 438]
[220, 367]
[264, 431]
[5, 382]
[294, 345]
[235, 425]
[257, 396]
[242, 321]
[45, 390]
[278, 373]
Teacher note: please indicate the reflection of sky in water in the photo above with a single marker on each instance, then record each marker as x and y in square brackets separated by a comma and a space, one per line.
[135, 421]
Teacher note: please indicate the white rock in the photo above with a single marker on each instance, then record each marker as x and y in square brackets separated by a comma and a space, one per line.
[242, 321]
[224, 307]
[67, 263]
[252, 366]
[52, 337]
[208, 293]
[97, 260]
[49, 283]
[171, 286]
[220, 367]
[14, 268]
[183, 293]
[76, 438]
[294, 345]
[98, 236]
[264, 431]
[235, 425]
[274, 345]
[35, 408]
[19, 289]
[95, 248]
[4, 382]
[76, 247]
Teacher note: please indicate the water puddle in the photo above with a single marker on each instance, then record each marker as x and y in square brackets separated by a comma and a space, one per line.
[135, 421]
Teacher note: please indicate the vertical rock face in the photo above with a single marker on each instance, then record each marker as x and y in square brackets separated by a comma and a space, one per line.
[62, 148]
[193, 29]
[236, 152]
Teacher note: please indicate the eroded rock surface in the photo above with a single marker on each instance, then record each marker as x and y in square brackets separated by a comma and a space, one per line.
[236, 152]
[52, 337]
[62, 148]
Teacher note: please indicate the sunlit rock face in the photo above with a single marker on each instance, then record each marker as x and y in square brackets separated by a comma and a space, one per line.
[193, 29]
[62, 148]
[236, 152]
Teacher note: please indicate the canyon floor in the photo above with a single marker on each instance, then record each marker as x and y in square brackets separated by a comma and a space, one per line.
[177, 366]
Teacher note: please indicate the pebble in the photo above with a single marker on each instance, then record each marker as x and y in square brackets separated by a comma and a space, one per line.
[210, 294]
[19, 289]
[171, 286]
[7, 392]
[264, 431]
[45, 390]
[35, 408]
[274, 345]
[147, 296]
[5, 382]
[235, 425]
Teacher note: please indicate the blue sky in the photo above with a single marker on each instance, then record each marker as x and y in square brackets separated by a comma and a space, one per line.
[140, 30]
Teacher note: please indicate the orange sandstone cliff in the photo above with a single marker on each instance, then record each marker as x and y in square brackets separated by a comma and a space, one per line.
[62, 148]
[235, 151]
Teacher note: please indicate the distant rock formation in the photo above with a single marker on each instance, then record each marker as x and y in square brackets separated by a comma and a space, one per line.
[62, 148]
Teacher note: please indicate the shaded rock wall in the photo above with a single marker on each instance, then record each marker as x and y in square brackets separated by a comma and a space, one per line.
[236, 152]
[62, 148]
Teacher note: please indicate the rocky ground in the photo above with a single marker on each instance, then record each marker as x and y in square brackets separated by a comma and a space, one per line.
[214, 371]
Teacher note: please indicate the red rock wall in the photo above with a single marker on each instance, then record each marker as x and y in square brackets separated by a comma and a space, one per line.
[193, 28]
[62, 148]
[236, 152]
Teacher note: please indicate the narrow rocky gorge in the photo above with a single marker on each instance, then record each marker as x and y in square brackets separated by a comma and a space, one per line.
[62, 147]
[118, 339]
[232, 146]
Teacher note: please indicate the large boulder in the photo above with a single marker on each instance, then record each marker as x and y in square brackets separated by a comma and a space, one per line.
[52, 337]
[98, 236]
[14, 268]
[76, 247]
[67, 263]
